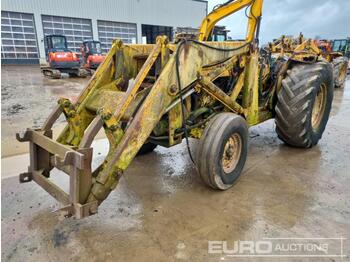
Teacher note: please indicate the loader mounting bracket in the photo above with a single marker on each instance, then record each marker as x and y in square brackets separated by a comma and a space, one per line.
[46, 154]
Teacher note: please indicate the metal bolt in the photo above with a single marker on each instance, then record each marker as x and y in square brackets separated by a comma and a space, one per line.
[93, 209]
[229, 152]
[113, 128]
[117, 173]
[173, 89]
[71, 114]
[106, 116]
[66, 103]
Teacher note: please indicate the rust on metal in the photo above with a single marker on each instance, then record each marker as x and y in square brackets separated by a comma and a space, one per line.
[136, 97]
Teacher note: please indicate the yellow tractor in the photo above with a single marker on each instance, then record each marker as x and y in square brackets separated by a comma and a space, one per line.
[143, 96]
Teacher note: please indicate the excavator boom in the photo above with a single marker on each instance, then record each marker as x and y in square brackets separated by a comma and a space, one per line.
[228, 8]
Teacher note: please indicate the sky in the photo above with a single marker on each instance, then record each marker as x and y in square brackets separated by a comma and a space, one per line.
[323, 18]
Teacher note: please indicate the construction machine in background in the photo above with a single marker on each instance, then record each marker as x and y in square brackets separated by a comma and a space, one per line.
[342, 46]
[219, 34]
[290, 46]
[145, 95]
[92, 55]
[324, 45]
[337, 56]
[60, 59]
[286, 44]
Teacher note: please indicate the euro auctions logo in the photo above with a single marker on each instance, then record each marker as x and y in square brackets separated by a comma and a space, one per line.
[240, 247]
[279, 247]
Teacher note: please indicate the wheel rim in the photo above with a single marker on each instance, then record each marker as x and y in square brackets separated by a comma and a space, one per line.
[232, 153]
[319, 106]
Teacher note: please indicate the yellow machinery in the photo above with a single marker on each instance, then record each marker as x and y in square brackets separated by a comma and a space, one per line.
[297, 49]
[291, 47]
[338, 59]
[158, 94]
[342, 46]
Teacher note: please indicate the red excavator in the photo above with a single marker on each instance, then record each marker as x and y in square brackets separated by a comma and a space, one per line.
[324, 45]
[60, 59]
[91, 55]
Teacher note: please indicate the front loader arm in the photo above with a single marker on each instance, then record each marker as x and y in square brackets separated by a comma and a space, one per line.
[165, 91]
[134, 90]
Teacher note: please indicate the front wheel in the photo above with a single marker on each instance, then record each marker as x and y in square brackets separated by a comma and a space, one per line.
[222, 150]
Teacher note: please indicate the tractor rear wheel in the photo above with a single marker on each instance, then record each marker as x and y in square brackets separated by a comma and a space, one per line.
[304, 104]
[222, 150]
[340, 69]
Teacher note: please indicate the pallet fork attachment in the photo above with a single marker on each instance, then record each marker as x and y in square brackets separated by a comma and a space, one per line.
[45, 154]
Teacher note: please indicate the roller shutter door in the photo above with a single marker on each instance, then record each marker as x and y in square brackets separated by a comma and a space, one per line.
[18, 38]
[108, 30]
[76, 30]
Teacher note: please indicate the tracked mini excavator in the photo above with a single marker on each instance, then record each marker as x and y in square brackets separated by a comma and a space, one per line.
[159, 94]
[60, 59]
[91, 55]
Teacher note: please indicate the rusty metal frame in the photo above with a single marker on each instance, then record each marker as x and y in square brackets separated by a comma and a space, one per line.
[126, 70]
[46, 154]
[209, 87]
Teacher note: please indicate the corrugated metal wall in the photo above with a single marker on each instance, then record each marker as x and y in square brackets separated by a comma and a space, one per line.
[165, 12]
[174, 13]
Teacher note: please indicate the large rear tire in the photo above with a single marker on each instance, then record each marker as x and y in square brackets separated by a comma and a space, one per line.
[222, 150]
[340, 70]
[304, 104]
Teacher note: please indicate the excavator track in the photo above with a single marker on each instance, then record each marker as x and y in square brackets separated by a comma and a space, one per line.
[51, 73]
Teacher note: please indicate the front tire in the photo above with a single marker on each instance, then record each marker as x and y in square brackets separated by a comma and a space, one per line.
[222, 150]
[304, 104]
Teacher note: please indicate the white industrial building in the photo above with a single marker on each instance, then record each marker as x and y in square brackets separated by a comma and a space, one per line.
[25, 22]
